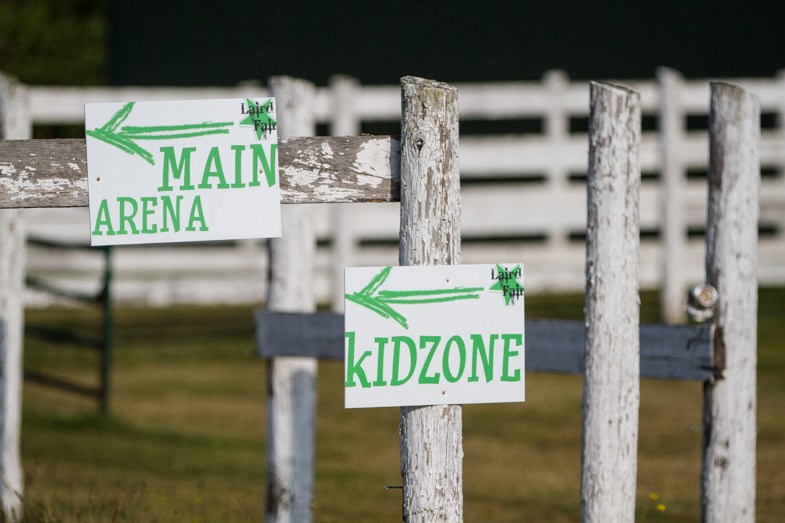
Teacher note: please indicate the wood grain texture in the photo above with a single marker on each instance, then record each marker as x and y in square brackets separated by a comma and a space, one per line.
[611, 393]
[431, 436]
[678, 352]
[291, 399]
[14, 123]
[53, 173]
[729, 411]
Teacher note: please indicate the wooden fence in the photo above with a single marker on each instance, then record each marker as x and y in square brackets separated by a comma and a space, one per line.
[523, 147]
[52, 173]
[610, 348]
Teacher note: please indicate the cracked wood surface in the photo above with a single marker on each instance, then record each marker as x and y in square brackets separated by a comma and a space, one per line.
[53, 173]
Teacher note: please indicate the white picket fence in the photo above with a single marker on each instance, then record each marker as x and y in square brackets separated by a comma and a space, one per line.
[524, 192]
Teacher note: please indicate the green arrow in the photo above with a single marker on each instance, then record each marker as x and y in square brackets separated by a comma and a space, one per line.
[378, 301]
[125, 139]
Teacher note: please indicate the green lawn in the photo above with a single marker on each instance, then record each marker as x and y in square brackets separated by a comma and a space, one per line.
[186, 437]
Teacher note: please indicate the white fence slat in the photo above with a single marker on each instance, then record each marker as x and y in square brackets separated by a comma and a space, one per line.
[673, 176]
[611, 392]
[345, 122]
[729, 438]
[14, 124]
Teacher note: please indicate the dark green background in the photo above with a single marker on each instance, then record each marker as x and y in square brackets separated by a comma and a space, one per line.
[145, 42]
[226, 42]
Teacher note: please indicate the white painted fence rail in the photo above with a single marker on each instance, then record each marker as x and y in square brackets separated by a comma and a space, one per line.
[532, 167]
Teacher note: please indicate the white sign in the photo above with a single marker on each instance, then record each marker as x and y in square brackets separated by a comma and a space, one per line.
[182, 171]
[430, 335]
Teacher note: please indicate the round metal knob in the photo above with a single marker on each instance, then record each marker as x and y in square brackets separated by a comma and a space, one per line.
[701, 301]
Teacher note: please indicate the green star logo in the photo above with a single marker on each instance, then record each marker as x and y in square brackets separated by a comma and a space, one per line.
[507, 283]
[259, 117]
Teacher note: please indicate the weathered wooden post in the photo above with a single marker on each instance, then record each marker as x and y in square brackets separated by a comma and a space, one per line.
[431, 436]
[729, 419]
[291, 402]
[611, 392]
[674, 226]
[14, 124]
[344, 90]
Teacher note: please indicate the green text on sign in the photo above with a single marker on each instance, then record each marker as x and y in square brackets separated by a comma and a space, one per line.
[182, 171]
[434, 335]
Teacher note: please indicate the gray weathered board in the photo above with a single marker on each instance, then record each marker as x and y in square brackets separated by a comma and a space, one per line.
[681, 352]
[53, 173]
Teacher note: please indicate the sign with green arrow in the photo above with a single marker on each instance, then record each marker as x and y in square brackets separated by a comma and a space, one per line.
[431, 335]
[182, 171]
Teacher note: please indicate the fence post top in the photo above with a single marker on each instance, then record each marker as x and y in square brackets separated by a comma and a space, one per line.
[424, 83]
[605, 86]
[285, 79]
[343, 79]
[664, 73]
[730, 89]
[556, 76]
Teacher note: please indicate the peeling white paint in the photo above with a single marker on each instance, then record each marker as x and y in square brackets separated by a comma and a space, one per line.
[371, 181]
[611, 391]
[327, 151]
[431, 438]
[335, 193]
[23, 188]
[299, 177]
[373, 158]
[359, 167]
[291, 403]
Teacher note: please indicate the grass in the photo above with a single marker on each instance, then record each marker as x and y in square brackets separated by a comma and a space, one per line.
[186, 437]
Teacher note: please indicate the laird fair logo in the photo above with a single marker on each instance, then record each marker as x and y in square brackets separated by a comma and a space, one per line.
[259, 117]
[507, 283]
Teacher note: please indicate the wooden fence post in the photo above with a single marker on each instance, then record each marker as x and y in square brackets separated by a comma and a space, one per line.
[291, 402]
[14, 124]
[611, 392]
[729, 409]
[431, 436]
[344, 90]
[674, 186]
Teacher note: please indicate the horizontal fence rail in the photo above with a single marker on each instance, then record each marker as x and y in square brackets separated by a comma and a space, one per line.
[53, 173]
[667, 352]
